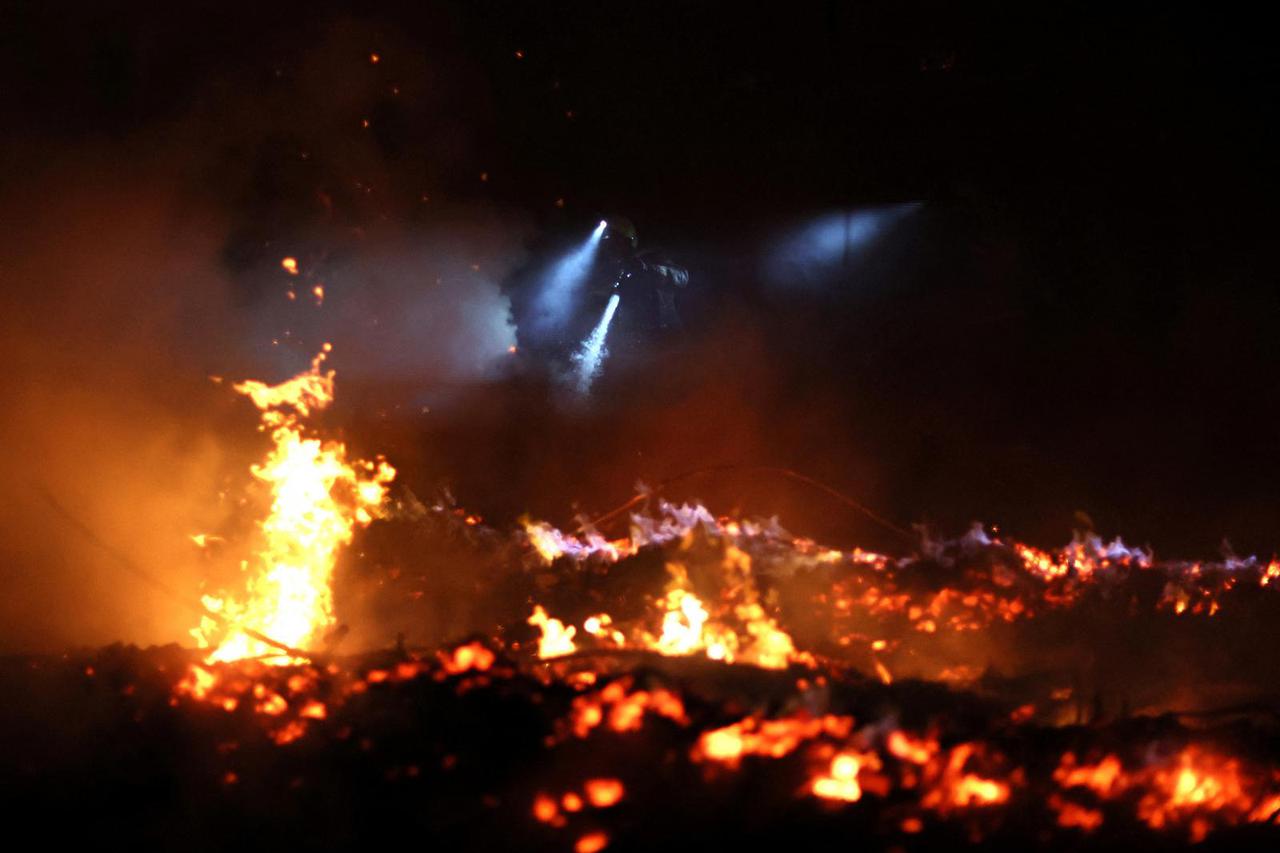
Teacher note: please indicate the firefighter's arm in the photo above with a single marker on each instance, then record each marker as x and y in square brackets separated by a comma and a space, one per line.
[677, 275]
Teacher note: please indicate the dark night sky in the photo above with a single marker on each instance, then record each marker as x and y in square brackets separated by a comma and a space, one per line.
[708, 110]
[1082, 318]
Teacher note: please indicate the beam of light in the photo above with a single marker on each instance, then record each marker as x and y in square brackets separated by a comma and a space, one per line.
[591, 355]
[831, 246]
[554, 302]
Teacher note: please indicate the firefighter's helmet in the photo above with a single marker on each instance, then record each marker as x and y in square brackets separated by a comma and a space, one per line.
[619, 228]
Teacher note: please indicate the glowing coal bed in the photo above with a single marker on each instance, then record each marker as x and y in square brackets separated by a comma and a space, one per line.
[703, 681]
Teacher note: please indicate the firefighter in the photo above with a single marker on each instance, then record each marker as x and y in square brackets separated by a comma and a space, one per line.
[647, 280]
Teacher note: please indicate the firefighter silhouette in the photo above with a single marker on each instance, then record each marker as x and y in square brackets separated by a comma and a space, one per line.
[646, 280]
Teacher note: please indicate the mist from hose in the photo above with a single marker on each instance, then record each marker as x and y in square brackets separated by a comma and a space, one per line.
[591, 354]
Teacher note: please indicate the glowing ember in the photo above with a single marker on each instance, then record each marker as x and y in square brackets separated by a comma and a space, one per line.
[620, 710]
[592, 842]
[603, 793]
[472, 656]
[957, 788]
[841, 780]
[907, 748]
[1102, 778]
[600, 627]
[767, 738]
[545, 809]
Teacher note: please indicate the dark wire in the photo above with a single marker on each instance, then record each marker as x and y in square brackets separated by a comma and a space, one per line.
[786, 472]
[137, 571]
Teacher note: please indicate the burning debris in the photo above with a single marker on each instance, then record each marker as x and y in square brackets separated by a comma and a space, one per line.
[446, 742]
[709, 669]
[792, 690]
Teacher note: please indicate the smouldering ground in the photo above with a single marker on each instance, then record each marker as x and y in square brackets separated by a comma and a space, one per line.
[704, 681]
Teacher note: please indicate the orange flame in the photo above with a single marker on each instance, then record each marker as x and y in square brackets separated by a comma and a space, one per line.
[556, 639]
[318, 498]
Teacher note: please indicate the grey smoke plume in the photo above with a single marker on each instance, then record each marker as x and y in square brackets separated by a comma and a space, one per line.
[124, 287]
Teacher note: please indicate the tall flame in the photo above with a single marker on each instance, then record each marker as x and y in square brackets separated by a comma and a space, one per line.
[317, 499]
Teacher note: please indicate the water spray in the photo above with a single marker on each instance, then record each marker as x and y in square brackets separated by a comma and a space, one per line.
[591, 354]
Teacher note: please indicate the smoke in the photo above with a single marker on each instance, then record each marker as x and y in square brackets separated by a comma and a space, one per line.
[138, 266]
[135, 266]
[419, 306]
[112, 308]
